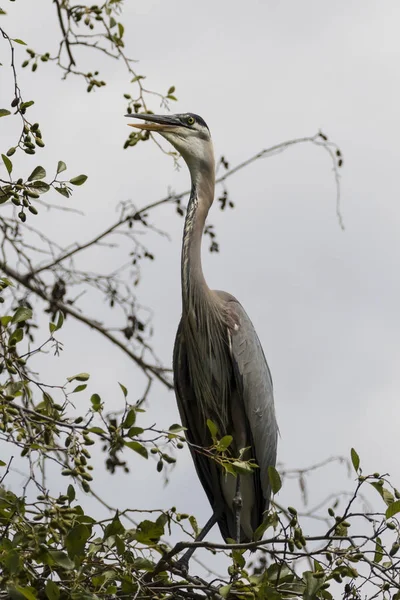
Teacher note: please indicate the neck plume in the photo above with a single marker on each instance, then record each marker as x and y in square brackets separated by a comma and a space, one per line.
[194, 285]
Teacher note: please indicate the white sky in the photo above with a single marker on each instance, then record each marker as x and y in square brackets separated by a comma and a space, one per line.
[325, 302]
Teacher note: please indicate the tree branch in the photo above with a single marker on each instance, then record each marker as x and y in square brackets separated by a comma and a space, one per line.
[65, 34]
[150, 370]
[276, 149]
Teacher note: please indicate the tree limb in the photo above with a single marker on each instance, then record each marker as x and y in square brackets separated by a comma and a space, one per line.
[150, 370]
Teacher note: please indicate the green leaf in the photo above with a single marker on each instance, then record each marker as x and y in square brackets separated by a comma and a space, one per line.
[137, 78]
[313, 585]
[135, 431]
[26, 592]
[124, 390]
[4, 112]
[14, 388]
[61, 166]
[378, 550]
[392, 509]
[261, 529]
[27, 104]
[63, 191]
[212, 428]
[111, 590]
[148, 531]
[17, 336]
[78, 180]
[56, 326]
[11, 561]
[377, 487]
[79, 388]
[355, 459]
[176, 428]
[52, 590]
[318, 568]
[18, 41]
[114, 528]
[40, 186]
[37, 173]
[130, 419]
[4, 196]
[7, 163]
[120, 545]
[242, 467]
[60, 320]
[79, 377]
[120, 30]
[274, 479]
[2, 463]
[76, 539]
[143, 564]
[61, 559]
[137, 447]
[238, 557]
[224, 443]
[97, 431]
[23, 313]
[387, 496]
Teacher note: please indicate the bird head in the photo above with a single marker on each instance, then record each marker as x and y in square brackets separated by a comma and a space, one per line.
[188, 133]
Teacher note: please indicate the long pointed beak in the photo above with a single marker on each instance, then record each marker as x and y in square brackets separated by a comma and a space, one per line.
[156, 122]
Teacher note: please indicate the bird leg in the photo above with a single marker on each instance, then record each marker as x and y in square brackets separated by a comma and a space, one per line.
[237, 507]
[183, 563]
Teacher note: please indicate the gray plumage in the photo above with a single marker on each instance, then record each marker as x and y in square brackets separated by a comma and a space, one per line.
[220, 371]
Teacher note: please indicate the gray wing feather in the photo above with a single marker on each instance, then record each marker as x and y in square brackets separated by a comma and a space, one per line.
[196, 434]
[254, 380]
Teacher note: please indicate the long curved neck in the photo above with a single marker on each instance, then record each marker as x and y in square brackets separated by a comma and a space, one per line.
[194, 286]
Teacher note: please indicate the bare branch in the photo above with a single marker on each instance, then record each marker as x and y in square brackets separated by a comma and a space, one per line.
[149, 370]
[276, 149]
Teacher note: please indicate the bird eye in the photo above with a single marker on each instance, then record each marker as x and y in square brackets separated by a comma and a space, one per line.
[190, 121]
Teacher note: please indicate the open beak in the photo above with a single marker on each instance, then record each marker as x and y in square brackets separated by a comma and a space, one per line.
[156, 122]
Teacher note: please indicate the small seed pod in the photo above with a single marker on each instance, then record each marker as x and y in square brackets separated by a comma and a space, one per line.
[394, 549]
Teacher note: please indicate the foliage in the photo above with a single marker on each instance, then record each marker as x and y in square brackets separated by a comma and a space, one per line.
[49, 547]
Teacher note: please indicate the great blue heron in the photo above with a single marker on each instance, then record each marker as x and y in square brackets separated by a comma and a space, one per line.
[220, 371]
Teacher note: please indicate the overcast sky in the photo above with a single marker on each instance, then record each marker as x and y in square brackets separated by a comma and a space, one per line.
[325, 302]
